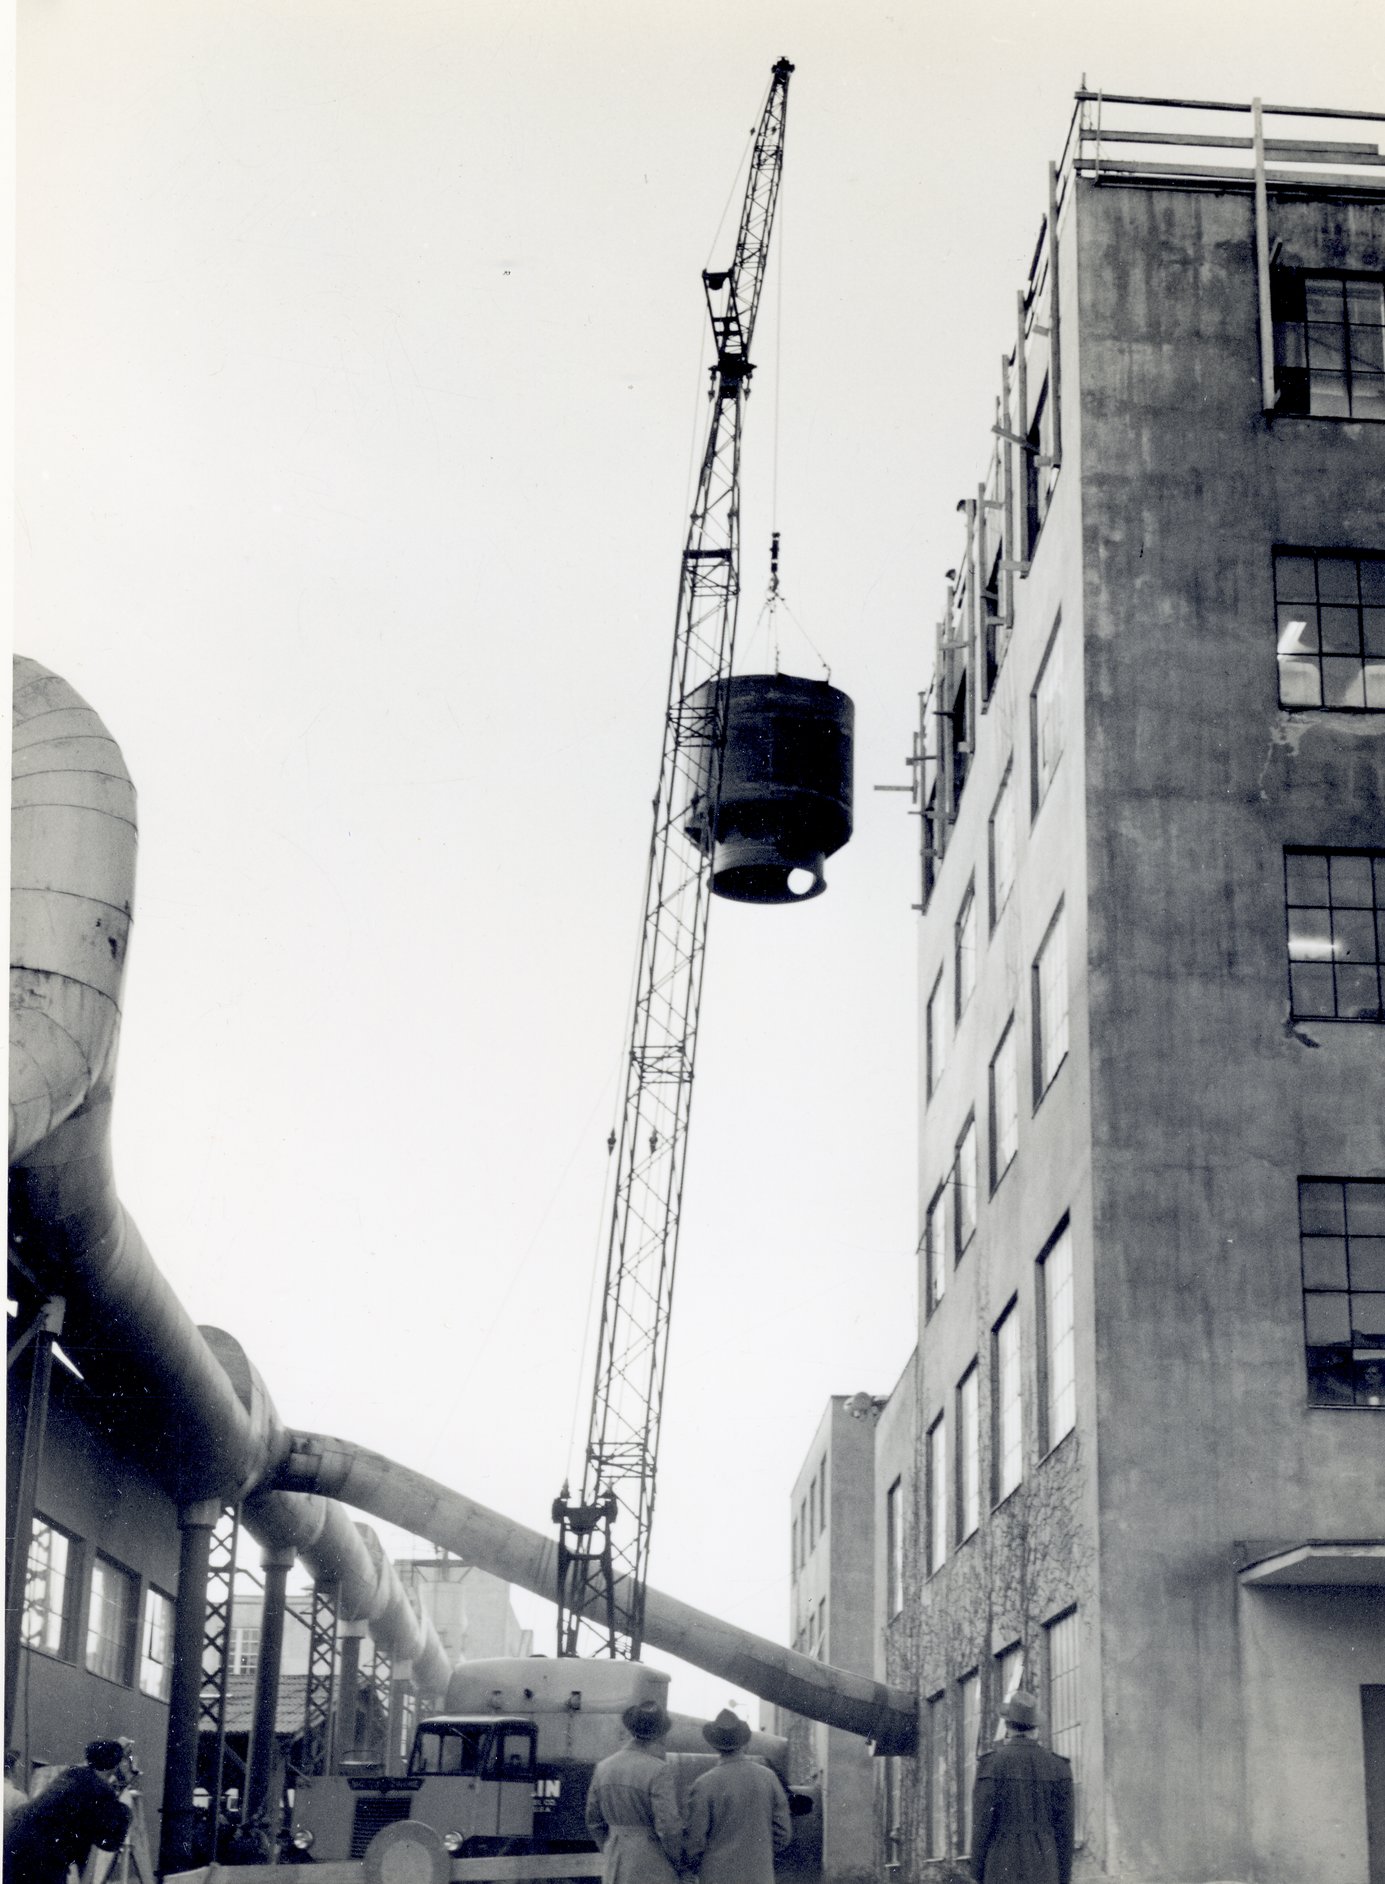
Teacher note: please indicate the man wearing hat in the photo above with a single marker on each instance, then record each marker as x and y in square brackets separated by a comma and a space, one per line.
[632, 1807]
[78, 1810]
[738, 1817]
[1022, 1808]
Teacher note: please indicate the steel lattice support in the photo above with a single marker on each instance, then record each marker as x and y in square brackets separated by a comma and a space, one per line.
[604, 1536]
[380, 1682]
[322, 1668]
[216, 1658]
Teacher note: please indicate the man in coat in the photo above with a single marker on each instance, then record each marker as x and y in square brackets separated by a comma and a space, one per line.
[1022, 1808]
[77, 1810]
[738, 1817]
[632, 1806]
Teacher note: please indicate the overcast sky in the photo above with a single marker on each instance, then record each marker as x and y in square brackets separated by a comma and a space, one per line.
[362, 357]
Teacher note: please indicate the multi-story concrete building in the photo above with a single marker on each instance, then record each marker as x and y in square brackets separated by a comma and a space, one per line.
[1151, 1368]
[832, 1570]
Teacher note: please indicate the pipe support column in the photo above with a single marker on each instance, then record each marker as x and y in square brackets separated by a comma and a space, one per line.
[260, 1761]
[178, 1841]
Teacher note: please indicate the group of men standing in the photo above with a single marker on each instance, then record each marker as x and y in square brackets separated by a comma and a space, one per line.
[737, 1815]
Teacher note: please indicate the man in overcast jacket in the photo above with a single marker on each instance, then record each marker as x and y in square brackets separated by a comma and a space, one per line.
[1022, 1808]
[738, 1817]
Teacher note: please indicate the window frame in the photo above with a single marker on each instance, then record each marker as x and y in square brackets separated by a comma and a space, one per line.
[935, 1457]
[69, 1611]
[964, 947]
[1001, 1400]
[965, 1225]
[1293, 330]
[124, 1648]
[1069, 1733]
[1049, 1411]
[894, 1549]
[1009, 1038]
[1376, 859]
[1004, 796]
[153, 1596]
[968, 1463]
[1372, 1399]
[936, 1247]
[968, 1751]
[1041, 781]
[1370, 618]
[938, 1769]
[1038, 1010]
[935, 1034]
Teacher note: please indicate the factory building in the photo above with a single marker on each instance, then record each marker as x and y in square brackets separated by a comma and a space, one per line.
[1144, 1471]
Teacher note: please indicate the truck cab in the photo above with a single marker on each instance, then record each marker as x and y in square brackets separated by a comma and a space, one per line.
[472, 1778]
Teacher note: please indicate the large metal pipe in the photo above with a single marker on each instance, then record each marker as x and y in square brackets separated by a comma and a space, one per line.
[483, 1537]
[207, 1426]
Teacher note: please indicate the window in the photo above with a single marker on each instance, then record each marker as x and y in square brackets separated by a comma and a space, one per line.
[822, 1495]
[812, 1646]
[1000, 844]
[964, 1189]
[968, 1728]
[1328, 335]
[803, 1532]
[935, 1035]
[937, 1776]
[1045, 725]
[812, 1511]
[894, 1549]
[111, 1622]
[156, 1646]
[1335, 900]
[1009, 1672]
[1342, 1248]
[994, 624]
[937, 1494]
[968, 1453]
[964, 938]
[1040, 472]
[1330, 628]
[1064, 1703]
[1008, 1450]
[935, 1244]
[822, 1629]
[48, 1590]
[793, 1547]
[1060, 1383]
[245, 1648]
[894, 1839]
[1005, 1113]
[1050, 1004]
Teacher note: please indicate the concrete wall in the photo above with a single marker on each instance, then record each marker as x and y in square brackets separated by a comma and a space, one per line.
[107, 1502]
[1207, 1104]
[1305, 1655]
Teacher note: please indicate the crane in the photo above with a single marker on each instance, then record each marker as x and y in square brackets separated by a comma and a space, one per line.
[604, 1533]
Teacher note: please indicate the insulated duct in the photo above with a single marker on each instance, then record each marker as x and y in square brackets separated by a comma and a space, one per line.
[396, 1495]
[187, 1398]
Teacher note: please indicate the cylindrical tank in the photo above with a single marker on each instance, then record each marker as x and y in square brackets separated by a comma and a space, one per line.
[785, 802]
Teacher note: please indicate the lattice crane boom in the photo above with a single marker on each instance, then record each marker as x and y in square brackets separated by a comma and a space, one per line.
[604, 1535]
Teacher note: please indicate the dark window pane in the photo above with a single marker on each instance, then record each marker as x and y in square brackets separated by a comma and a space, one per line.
[1370, 1383]
[1337, 578]
[1365, 1208]
[1298, 628]
[1293, 579]
[1367, 1262]
[1327, 1321]
[1367, 1320]
[1373, 630]
[1322, 298]
[1351, 881]
[1326, 348]
[1324, 1262]
[1330, 1377]
[1300, 683]
[1373, 580]
[1358, 993]
[1368, 396]
[1365, 300]
[1353, 932]
[1341, 628]
[1310, 935]
[1290, 356]
[1312, 990]
[1327, 396]
[1320, 1207]
[1366, 354]
[1343, 682]
[1305, 876]
[1375, 683]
